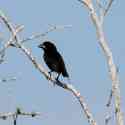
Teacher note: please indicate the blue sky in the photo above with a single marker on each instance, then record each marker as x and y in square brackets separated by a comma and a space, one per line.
[83, 57]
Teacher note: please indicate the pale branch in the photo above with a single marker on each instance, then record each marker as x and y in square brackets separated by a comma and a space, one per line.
[18, 112]
[19, 28]
[108, 7]
[108, 118]
[105, 10]
[111, 65]
[101, 10]
[109, 114]
[12, 31]
[9, 43]
[109, 99]
[15, 115]
[66, 86]
[7, 79]
[40, 35]
[87, 3]
[99, 5]
[8, 25]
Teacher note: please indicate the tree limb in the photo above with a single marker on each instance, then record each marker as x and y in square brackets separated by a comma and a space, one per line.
[111, 65]
[18, 113]
[9, 43]
[66, 86]
[87, 3]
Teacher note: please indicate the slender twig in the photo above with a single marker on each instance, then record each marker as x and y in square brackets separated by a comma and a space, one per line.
[87, 3]
[14, 33]
[7, 79]
[108, 7]
[18, 113]
[34, 36]
[108, 118]
[40, 35]
[109, 99]
[101, 10]
[98, 2]
[66, 86]
[9, 42]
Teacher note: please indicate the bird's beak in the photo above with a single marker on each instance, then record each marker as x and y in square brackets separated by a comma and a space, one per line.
[41, 46]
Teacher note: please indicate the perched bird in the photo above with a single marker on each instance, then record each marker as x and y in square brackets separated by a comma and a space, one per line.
[53, 59]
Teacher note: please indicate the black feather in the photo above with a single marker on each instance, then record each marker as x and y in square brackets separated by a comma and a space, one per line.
[53, 59]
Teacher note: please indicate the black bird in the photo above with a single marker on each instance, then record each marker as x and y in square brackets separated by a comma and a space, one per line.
[53, 59]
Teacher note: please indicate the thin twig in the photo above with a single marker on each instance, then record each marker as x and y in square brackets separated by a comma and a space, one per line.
[15, 115]
[39, 35]
[110, 99]
[87, 3]
[98, 2]
[12, 38]
[108, 7]
[7, 79]
[101, 10]
[9, 43]
[107, 120]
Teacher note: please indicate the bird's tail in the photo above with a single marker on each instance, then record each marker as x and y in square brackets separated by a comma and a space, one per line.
[65, 74]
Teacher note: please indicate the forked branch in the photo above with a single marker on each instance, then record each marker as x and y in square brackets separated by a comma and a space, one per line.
[15, 115]
[110, 62]
[39, 67]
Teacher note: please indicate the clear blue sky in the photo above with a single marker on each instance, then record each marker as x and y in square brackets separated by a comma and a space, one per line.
[83, 57]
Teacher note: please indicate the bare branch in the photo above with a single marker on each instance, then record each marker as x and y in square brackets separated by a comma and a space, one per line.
[18, 113]
[7, 79]
[108, 7]
[101, 10]
[87, 3]
[111, 65]
[112, 68]
[9, 42]
[107, 120]
[66, 86]
[10, 26]
[12, 31]
[110, 99]
[52, 28]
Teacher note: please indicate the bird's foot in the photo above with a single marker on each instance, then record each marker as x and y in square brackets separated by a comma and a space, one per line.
[57, 79]
[49, 78]
[55, 82]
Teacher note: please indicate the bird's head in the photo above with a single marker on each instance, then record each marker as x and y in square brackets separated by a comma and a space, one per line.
[47, 46]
